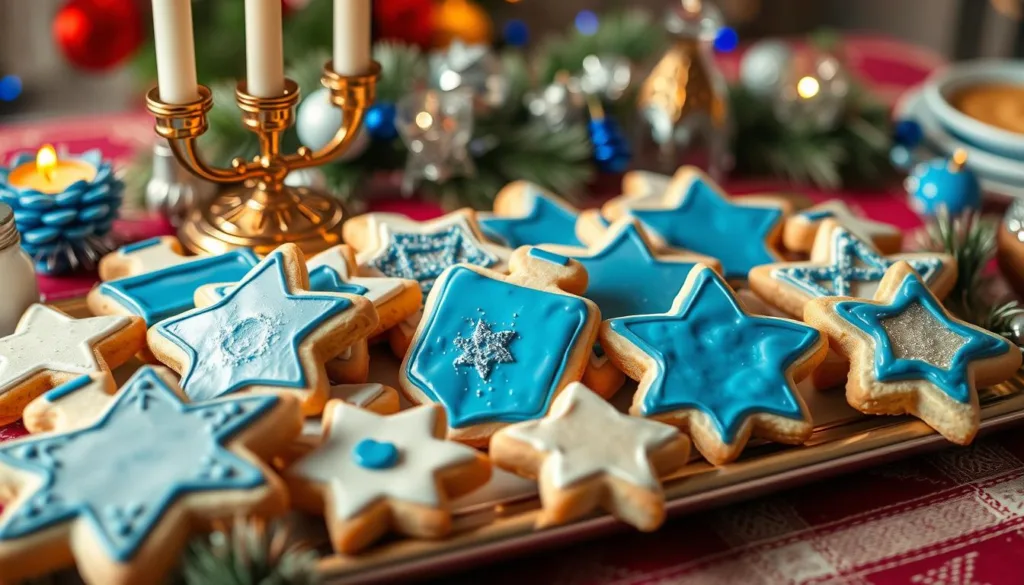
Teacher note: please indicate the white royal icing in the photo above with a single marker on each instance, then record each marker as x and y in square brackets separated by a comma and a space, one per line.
[155, 257]
[378, 289]
[584, 436]
[360, 395]
[412, 479]
[49, 340]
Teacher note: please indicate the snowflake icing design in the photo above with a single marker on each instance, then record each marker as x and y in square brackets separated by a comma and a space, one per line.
[484, 348]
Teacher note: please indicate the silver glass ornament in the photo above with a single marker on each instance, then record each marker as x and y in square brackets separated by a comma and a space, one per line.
[475, 68]
[173, 191]
[558, 105]
[813, 98]
[311, 177]
[606, 76]
[317, 121]
[437, 127]
[1017, 330]
[764, 65]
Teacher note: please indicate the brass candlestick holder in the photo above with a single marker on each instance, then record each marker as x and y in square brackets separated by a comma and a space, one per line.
[262, 212]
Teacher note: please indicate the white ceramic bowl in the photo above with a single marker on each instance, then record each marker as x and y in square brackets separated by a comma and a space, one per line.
[947, 82]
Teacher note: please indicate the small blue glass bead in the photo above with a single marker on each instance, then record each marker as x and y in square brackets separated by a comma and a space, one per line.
[380, 121]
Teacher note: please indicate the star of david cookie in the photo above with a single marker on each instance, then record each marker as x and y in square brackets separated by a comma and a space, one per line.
[526, 215]
[269, 333]
[389, 244]
[49, 348]
[801, 228]
[373, 473]
[494, 349]
[143, 256]
[694, 214]
[120, 494]
[586, 454]
[843, 265]
[711, 368]
[908, 355]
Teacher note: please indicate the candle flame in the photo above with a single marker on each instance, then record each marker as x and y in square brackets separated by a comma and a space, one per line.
[807, 87]
[46, 161]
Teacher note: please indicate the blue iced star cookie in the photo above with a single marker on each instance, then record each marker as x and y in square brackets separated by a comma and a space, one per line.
[263, 334]
[526, 215]
[693, 214]
[123, 477]
[168, 291]
[393, 245]
[709, 366]
[494, 349]
[909, 355]
[843, 265]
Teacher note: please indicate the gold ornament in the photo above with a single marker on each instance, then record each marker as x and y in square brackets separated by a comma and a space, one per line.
[462, 20]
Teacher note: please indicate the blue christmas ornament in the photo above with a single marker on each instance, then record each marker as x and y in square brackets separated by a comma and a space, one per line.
[66, 231]
[943, 184]
[611, 149]
[907, 133]
[380, 121]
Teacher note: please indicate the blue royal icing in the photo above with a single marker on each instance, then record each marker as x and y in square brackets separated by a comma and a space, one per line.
[625, 278]
[423, 257]
[372, 454]
[536, 333]
[321, 279]
[123, 472]
[167, 292]
[708, 224]
[816, 215]
[251, 336]
[713, 357]
[67, 388]
[140, 245]
[547, 222]
[852, 261]
[952, 380]
[549, 256]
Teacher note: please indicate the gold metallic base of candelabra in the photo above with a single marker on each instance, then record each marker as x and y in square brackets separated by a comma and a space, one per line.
[247, 217]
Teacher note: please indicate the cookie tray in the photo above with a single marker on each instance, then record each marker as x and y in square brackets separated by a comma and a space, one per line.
[497, 521]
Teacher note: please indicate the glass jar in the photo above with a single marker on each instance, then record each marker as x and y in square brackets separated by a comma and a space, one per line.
[18, 272]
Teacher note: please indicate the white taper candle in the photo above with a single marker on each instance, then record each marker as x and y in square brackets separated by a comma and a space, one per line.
[175, 51]
[351, 37]
[264, 48]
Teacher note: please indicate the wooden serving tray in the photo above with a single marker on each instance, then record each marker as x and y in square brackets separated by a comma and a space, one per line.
[497, 521]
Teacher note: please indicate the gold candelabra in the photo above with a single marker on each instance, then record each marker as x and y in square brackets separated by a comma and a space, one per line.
[260, 211]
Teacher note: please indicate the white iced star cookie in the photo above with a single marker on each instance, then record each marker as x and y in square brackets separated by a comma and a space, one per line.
[373, 473]
[389, 244]
[269, 333]
[585, 453]
[50, 348]
[800, 229]
[142, 257]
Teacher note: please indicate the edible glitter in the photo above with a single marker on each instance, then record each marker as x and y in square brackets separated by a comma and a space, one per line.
[423, 257]
[915, 334]
[484, 348]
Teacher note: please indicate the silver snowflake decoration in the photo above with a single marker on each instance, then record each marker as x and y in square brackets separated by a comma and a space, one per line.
[484, 348]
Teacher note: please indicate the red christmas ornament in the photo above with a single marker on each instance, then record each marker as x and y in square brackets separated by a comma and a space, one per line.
[409, 21]
[98, 34]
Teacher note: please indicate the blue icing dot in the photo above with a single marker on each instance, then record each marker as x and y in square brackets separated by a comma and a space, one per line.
[140, 245]
[373, 454]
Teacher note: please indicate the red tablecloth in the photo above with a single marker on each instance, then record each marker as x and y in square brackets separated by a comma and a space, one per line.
[955, 517]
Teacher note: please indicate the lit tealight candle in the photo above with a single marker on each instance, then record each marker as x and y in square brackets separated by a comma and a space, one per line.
[50, 175]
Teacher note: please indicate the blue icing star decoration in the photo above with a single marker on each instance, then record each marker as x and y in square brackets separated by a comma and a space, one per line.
[494, 351]
[707, 354]
[626, 277]
[423, 256]
[122, 473]
[548, 220]
[915, 339]
[252, 336]
[699, 218]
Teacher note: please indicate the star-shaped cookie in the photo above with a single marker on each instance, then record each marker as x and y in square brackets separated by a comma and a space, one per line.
[694, 214]
[50, 348]
[801, 228]
[909, 355]
[373, 473]
[843, 265]
[120, 494]
[710, 367]
[269, 333]
[143, 256]
[526, 215]
[389, 244]
[586, 454]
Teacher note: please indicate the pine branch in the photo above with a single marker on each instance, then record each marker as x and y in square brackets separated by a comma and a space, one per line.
[630, 34]
[404, 68]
